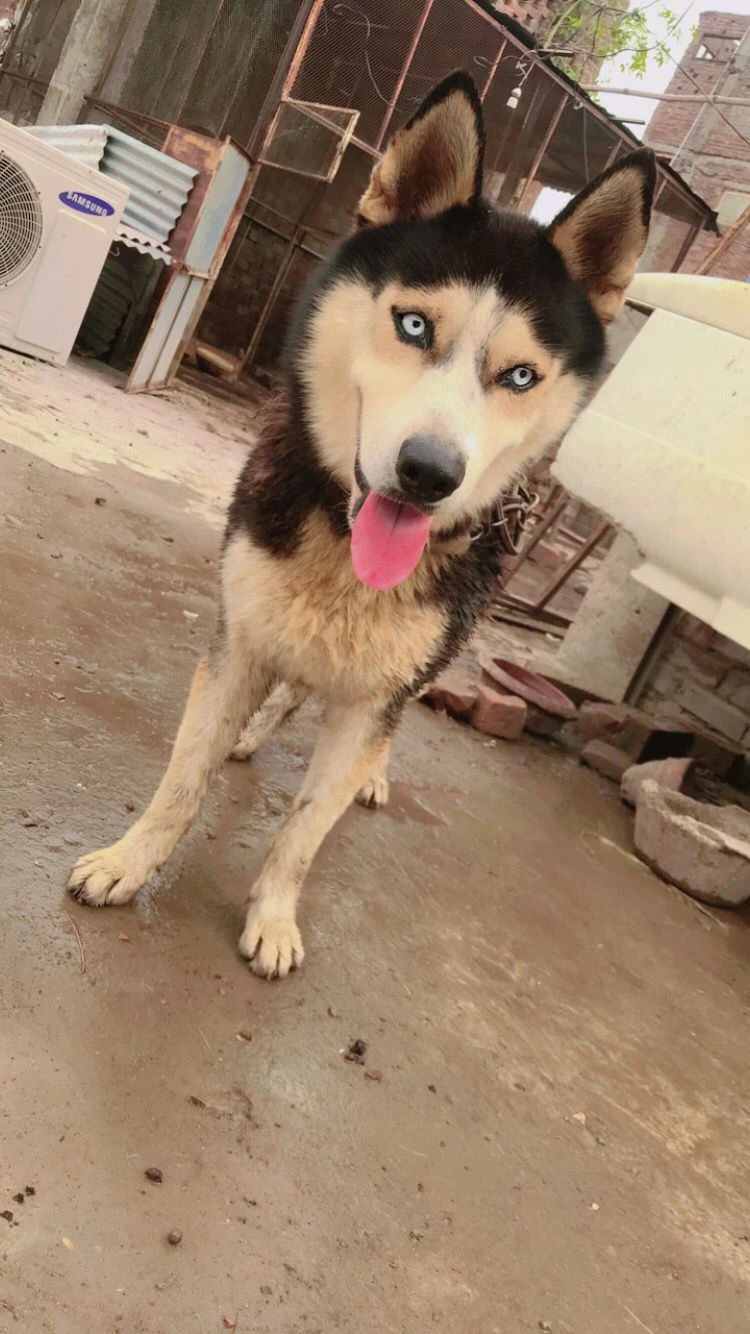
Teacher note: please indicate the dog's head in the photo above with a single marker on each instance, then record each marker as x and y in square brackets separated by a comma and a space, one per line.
[447, 343]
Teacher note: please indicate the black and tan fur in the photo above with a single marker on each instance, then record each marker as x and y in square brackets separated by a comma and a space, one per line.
[497, 292]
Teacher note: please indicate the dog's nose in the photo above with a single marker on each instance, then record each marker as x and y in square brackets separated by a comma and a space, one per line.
[428, 470]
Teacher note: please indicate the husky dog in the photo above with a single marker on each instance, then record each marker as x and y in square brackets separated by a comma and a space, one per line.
[441, 347]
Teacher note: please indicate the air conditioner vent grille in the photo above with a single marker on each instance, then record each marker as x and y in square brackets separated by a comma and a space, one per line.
[20, 220]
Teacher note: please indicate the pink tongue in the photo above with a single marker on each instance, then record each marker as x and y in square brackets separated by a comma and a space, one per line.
[387, 541]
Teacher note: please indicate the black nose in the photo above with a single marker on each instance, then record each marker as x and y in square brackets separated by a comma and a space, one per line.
[428, 470]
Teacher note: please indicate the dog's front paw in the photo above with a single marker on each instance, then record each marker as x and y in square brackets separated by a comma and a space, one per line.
[272, 944]
[109, 876]
[374, 793]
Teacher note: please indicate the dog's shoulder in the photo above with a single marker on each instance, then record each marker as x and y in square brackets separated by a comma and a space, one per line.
[283, 482]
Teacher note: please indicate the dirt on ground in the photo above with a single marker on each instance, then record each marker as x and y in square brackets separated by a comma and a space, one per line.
[545, 1124]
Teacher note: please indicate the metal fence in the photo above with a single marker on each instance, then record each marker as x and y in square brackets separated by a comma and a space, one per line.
[361, 67]
[312, 90]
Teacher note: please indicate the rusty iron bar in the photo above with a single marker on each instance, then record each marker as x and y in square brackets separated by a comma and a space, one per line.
[408, 58]
[685, 247]
[138, 118]
[612, 156]
[36, 85]
[572, 565]
[285, 74]
[732, 232]
[591, 107]
[493, 69]
[293, 245]
[541, 150]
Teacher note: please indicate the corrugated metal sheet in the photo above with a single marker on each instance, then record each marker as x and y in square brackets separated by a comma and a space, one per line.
[159, 184]
[85, 143]
[145, 245]
[108, 307]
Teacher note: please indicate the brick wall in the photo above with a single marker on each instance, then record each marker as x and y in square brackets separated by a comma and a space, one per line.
[672, 121]
[711, 154]
[705, 676]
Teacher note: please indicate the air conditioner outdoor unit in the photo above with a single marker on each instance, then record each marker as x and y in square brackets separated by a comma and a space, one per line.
[58, 218]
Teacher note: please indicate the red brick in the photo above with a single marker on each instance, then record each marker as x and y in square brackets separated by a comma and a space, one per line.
[455, 692]
[599, 722]
[606, 760]
[499, 715]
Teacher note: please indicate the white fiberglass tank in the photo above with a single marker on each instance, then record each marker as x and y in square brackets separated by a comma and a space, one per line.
[664, 447]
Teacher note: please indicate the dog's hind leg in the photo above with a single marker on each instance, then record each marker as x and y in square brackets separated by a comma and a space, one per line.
[349, 750]
[282, 702]
[226, 686]
[374, 793]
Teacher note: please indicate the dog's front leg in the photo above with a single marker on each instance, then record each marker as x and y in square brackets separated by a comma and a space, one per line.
[349, 749]
[227, 684]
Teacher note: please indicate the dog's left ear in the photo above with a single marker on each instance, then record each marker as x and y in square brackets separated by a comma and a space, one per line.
[434, 162]
[602, 233]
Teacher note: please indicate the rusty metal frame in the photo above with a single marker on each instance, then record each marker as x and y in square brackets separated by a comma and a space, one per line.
[294, 244]
[206, 154]
[493, 69]
[590, 107]
[312, 110]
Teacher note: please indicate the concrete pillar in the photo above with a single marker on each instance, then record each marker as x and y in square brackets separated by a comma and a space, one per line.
[614, 626]
[93, 37]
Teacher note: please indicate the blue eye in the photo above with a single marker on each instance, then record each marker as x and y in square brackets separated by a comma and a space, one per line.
[413, 327]
[519, 378]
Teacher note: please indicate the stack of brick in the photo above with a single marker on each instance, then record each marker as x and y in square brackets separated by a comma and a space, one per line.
[501, 703]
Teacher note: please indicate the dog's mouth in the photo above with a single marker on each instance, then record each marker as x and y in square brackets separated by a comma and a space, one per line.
[388, 540]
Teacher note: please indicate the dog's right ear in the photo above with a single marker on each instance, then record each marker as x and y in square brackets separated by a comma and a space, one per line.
[434, 162]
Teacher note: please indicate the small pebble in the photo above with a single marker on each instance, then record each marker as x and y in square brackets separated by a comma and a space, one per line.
[230, 1322]
[154, 1174]
[175, 1237]
[245, 1035]
[375, 1075]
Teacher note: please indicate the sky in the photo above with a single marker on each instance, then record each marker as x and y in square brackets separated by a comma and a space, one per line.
[656, 79]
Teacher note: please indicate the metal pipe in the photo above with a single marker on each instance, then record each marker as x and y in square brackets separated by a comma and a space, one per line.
[286, 72]
[493, 69]
[707, 98]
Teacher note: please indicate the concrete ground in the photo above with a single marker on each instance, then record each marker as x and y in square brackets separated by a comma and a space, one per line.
[550, 1130]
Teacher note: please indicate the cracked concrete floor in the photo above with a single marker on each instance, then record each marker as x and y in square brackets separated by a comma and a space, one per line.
[558, 1139]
